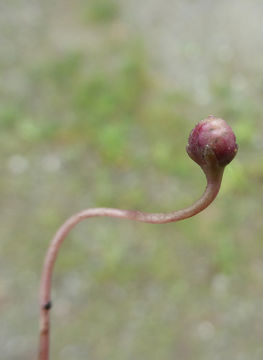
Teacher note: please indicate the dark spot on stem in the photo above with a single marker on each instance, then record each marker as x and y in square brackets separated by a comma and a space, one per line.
[47, 306]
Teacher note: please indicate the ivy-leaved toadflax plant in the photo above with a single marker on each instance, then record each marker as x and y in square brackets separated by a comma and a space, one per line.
[211, 144]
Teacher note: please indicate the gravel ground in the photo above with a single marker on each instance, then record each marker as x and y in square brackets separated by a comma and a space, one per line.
[192, 42]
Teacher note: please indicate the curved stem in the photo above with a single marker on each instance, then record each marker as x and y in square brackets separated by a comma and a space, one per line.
[211, 191]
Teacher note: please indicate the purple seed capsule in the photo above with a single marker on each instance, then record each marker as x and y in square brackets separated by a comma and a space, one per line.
[212, 136]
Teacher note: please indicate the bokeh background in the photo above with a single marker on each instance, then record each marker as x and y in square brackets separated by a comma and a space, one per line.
[97, 99]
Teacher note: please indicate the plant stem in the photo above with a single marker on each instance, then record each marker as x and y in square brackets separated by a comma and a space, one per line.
[213, 185]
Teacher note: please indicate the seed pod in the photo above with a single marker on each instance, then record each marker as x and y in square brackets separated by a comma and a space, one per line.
[212, 141]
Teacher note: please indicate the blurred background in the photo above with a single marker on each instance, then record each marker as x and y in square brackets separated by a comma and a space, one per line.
[97, 99]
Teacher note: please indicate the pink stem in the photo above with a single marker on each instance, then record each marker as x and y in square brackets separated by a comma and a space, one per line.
[211, 191]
